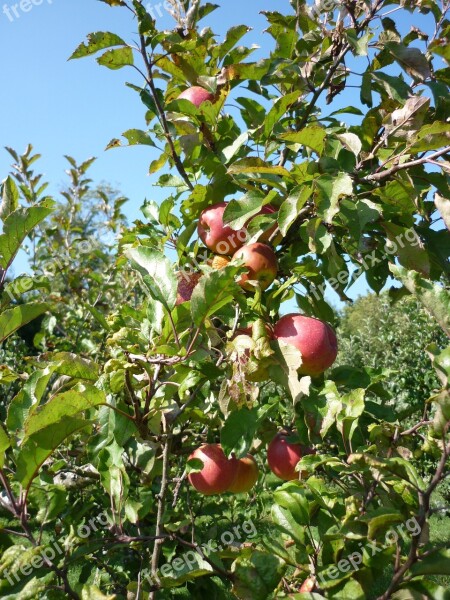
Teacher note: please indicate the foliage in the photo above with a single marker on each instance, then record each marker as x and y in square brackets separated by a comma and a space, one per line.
[376, 332]
[96, 438]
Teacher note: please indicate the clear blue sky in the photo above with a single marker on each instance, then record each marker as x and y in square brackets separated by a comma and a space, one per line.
[77, 107]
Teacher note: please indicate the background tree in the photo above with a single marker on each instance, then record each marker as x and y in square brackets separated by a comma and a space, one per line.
[378, 333]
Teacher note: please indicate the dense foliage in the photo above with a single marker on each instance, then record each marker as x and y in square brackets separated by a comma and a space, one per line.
[376, 332]
[124, 379]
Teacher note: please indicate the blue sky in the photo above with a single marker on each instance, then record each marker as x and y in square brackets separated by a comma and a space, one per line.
[77, 107]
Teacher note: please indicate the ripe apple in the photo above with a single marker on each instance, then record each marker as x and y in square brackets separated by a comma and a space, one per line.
[197, 95]
[283, 456]
[186, 284]
[315, 339]
[261, 264]
[219, 238]
[218, 471]
[246, 475]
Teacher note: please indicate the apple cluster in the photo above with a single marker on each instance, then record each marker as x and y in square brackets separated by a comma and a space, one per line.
[315, 339]
[220, 474]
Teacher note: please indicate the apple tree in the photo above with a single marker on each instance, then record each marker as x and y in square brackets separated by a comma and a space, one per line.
[198, 382]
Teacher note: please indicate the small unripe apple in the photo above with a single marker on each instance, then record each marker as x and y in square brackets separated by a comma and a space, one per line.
[308, 585]
[315, 339]
[186, 284]
[197, 95]
[219, 262]
[218, 471]
[246, 475]
[283, 456]
[261, 263]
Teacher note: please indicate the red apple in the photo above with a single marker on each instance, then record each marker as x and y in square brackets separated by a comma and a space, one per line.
[218, 471]
[283, 456]
[315, 339]
[261, 264]
[246, 475]
[219, 238]
[197, 95]
[186, 284]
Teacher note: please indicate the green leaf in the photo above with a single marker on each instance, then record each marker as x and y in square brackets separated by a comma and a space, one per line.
[433, 296]
[213, 291]
[332, 189]
[435, 563]
[157, 274]
[91, 592]
[4, 445]
[146, 23]
[256, 575]
[17, 226]
[321, 410]
[441, 48]
[366, 89]
[256, 165]
[10, 198]
[293, 498]
[291, 207]
[230, 151]
[283, 518]
[238, 212]
[312, 136]
[137, 137]
[423, 588]
[28, 398]
[285, 370]
[351, 142]
[278, 110]
[409, 248]
[432, 137]
[441, 363]
[359, 45]
[14, 318]
[71, 365]
[394, 86]
[67, 404]
[41, 445]
[238, 432]
[117, 58]
[232, 37]
[411, 60]
[97, 41]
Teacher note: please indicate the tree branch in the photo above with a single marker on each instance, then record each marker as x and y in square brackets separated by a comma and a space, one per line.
[413, 163]
[161, 506]
[424, 511]
[162, 116]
